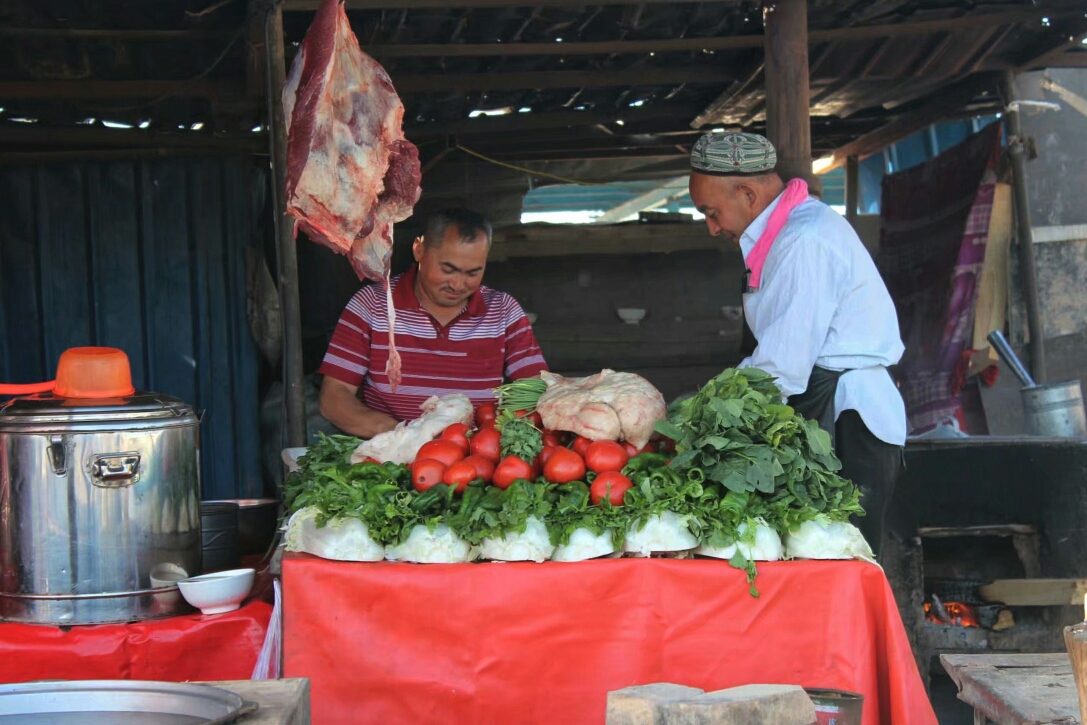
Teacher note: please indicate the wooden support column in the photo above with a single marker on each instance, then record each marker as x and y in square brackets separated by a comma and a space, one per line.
[788, 95]
[852, 189]
[1025, 234]
[293, 391]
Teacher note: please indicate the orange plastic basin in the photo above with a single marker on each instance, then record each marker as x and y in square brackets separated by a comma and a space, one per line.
[93, 372]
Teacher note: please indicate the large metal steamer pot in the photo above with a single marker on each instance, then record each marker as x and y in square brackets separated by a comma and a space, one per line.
[94, 497]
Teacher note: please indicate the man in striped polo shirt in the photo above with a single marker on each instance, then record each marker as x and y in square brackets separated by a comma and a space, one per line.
[454, 334]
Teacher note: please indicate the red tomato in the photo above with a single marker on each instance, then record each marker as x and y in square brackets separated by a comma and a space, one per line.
[488, 444]
[460, 474]
[564, 466]
[604, 456]
[447, 452]
[485, 414]
[509, 470]
[426, 472]
[667, 445]
[551, 439]
[581, 445]
[546, 453]
[484, 468]
[533, 418]
[632, 451]
[458, 433]
[611, 486]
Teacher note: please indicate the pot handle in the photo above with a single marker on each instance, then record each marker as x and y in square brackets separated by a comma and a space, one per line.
[58, 457]
[115, 470]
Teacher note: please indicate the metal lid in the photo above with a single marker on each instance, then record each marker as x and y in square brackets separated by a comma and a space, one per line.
[50, 409]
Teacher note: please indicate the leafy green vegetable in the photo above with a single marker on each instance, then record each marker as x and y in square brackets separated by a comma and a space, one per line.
[486, 512]
[573, 509]
[521, 394]
[519, 436]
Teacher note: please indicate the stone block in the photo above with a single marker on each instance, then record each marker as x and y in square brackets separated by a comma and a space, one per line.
[641, 705]
[747, 705]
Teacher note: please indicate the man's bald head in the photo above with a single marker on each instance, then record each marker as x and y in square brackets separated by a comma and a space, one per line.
[731, 203]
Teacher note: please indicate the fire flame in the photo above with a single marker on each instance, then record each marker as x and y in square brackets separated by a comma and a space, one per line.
[962, 615]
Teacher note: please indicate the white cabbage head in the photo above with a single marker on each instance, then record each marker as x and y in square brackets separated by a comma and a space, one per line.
[583, 545]
[822, 538]
[767, 546]
[667, 532]
[340, 539]
[440, 546]
[533, 545]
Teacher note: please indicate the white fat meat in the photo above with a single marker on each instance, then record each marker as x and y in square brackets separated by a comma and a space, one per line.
[400, 444]
[606, 406]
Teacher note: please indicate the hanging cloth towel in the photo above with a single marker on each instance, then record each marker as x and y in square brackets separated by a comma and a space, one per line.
[796, 193]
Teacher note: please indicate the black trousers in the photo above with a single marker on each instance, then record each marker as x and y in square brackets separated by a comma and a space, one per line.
[874, 466]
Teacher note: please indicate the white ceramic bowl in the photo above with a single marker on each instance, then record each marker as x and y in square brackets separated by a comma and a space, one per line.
[167, 575]
[217, 593]
[631, 315]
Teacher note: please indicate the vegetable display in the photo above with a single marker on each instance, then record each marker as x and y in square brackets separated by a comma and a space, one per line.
[733, 473]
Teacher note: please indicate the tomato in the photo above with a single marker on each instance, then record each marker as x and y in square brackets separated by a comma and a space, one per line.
[611, 486]
[488, 444]
[666, 445]
[581, 445]
[368, 459]
[564, 466]
[545, 454]
[447, 452]
[426, 472]
[604, 456]
[550, 439]
[458, 433]
[533, 418]
[486, 414]
[484, 467]
[632, 451]
[509, 470]
[460, 474]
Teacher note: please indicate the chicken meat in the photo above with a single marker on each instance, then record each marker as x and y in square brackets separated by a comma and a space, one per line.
[606, 406]
[400, 444]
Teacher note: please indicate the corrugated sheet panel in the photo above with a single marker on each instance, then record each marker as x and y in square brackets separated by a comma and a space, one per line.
[148, 257]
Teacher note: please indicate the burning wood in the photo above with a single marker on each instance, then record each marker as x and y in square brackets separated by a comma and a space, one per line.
[956, 614]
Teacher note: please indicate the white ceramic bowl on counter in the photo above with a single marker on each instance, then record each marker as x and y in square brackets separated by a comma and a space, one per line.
[219, 592]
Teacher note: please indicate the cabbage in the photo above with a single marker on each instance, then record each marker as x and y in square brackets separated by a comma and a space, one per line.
[666, 532]
[342, 539]
[440, 546]
[766, 547]
[821, 538]
[533, 545]
[584, 544]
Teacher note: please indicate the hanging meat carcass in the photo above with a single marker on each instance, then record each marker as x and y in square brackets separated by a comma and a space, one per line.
[351, 174]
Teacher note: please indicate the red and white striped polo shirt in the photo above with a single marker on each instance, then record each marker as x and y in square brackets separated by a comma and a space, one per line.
[489, 340]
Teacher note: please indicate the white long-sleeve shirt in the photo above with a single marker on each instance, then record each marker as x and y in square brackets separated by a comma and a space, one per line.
[822, 302]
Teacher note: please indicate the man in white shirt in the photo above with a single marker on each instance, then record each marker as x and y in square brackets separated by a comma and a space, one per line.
[823, 320]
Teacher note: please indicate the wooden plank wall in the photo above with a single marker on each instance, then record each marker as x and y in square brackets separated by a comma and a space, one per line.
[148, 257]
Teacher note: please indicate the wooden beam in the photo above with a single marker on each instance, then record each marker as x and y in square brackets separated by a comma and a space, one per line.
[465, 82]
[788, 124]
[1035, 592]
[678, 45]
[664, 192]
[114, 90]
[174, 36]
[58, 137]
[943, 104]
[561, 240]
[311, 5]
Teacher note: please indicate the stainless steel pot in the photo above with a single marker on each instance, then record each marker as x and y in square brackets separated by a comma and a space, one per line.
[95, 496]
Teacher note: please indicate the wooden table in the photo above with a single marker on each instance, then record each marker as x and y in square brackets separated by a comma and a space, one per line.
[1029, 689]
[282, 702]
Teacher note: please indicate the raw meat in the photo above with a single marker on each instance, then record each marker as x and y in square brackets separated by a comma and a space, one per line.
[402, 443]
[351, 174]
[606, 406]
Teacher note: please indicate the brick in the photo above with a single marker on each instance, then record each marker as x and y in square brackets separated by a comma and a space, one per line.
[747, 705]
[641, 705]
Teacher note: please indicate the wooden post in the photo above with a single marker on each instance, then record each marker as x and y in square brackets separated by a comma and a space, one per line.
[1027, 268]
[852, 189]
[1075, 639]
[293, 391]
[788, 124]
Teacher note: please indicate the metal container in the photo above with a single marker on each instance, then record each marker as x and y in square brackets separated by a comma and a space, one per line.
[837, 707]
[1055, 410]
[219, 535]
[258, 520]
[93, 496]
[111, 702]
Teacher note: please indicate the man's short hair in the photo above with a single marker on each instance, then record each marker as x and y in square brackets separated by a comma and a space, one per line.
[468, 225]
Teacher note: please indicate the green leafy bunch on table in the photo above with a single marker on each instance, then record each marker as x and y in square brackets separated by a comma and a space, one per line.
[733, 473]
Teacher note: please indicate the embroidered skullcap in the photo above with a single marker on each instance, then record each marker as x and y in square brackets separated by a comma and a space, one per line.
[733, 154]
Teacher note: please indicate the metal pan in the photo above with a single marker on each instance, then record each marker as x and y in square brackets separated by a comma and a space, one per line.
[118, 702]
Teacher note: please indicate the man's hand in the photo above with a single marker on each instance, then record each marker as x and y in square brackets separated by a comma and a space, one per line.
[342, 408]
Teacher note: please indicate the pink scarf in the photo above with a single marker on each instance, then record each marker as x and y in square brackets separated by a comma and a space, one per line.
[796, 192]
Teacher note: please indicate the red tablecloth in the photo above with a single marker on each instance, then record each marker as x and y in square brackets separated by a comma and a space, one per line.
[177, 649]
[544, 643]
